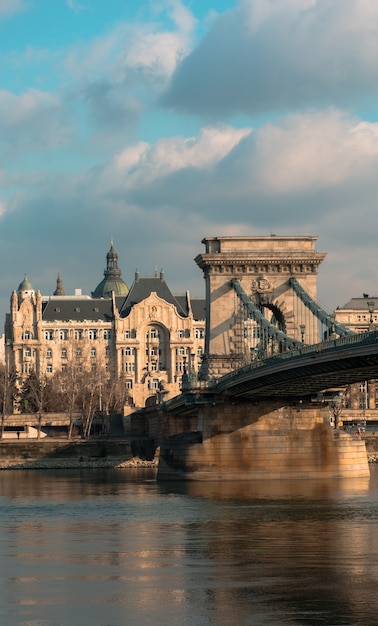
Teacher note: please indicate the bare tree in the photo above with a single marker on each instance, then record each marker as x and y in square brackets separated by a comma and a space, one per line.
[34, 394]
[7, 394]
[336, 408]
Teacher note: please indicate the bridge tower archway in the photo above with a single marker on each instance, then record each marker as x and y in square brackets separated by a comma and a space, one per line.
[263, 266]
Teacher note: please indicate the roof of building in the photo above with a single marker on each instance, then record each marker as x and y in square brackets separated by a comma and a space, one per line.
[77, 308]
[198, 306]
[360, 304]
[142, 289]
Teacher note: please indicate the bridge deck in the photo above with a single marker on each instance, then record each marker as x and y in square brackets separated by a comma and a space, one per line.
[305, 371]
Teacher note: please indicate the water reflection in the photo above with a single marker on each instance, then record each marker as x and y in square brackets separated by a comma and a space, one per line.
[110, 548]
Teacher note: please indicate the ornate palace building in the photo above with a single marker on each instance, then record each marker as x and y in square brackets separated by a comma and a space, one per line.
[145, 335]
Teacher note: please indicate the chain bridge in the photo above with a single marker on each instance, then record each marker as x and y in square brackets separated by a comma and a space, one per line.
[271, 350]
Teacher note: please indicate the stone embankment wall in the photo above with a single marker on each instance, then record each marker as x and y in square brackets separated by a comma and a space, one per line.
[98, 453]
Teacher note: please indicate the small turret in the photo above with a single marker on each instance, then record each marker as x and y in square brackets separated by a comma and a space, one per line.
[25, 289]
[59, 291]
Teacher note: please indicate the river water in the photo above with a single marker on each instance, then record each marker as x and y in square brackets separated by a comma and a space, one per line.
[114, 548]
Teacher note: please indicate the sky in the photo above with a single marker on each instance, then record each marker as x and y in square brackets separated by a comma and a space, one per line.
[158, 123]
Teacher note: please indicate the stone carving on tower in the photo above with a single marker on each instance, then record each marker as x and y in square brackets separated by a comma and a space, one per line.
[262, 290]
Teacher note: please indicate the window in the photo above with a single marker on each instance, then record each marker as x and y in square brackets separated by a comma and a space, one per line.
[64, 368]
[63, 335]
[26, 368]
[27, 335]
[153, 384]
[78, 352]
[181, 334]
[127, 334]
[49, 368]
[107, 334]
[256, 332]
[181, 351]
[128, 367]
[126, 351]
[199, 333]
[27, 352]
[63, 353]
[92, 334]
[200, 352]
[48, 353]
[78, 334]
[93, 367]
[179, 366]
[93, 353]
[49, 335]
[154, 351]
[153, 366]
[152, 333]
[128, 383]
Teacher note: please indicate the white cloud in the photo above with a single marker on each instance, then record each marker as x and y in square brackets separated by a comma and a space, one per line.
[300, 154]
[8, 7]
[141, 164]
[75, 6]
[272, 55]
[32, 121]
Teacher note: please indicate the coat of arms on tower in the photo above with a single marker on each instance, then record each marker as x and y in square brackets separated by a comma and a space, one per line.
[262, 289]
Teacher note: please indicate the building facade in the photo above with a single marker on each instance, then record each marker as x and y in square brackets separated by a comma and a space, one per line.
[143, 335]
[360, 314]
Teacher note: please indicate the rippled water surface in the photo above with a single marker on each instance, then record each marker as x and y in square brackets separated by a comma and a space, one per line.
[114, 548]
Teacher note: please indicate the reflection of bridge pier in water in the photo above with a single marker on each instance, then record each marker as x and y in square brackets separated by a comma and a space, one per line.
[256, 410]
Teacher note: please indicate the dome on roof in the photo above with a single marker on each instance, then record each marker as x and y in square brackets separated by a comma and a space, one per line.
[107, 285]
[112, 280]
[25, 285]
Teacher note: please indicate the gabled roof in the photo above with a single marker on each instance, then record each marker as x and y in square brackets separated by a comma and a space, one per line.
[65, 308]
[142, 289]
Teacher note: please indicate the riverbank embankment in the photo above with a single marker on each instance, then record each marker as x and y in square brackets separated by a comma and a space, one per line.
[78, 454]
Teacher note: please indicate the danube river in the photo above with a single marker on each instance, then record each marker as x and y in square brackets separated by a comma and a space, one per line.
[114, 548]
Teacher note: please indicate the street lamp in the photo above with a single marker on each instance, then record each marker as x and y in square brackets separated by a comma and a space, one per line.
[332, 329]
[302, 328]
[370, 306]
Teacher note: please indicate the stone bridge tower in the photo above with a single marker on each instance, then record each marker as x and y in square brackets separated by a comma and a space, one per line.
[263, 266]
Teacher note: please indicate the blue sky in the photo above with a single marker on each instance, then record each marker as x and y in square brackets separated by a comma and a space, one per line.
[156, 124]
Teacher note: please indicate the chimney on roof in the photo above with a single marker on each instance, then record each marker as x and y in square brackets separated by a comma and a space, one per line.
[162, 276]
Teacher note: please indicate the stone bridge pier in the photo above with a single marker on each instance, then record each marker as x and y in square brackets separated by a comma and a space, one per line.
[263, 266]
[248, 441]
